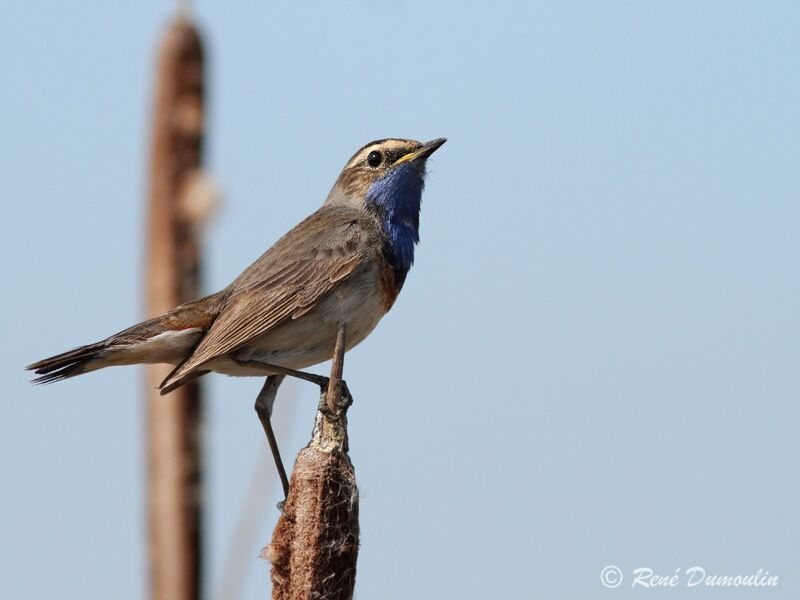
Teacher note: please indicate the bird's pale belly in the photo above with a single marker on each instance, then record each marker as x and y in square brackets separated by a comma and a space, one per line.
[310, 339]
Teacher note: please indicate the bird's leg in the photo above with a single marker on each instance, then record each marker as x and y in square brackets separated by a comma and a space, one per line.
[267, 368]
[334, 396]
[264, 403]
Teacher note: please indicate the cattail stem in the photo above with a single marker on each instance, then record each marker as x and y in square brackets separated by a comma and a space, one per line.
[315, 543]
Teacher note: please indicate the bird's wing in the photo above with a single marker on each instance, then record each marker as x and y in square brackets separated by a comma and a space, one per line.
[286, 282]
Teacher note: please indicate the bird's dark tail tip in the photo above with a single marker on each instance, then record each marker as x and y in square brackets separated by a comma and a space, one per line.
[65, 365]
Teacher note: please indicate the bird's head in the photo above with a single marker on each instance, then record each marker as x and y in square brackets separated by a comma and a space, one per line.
[386, 178]
[382, 164]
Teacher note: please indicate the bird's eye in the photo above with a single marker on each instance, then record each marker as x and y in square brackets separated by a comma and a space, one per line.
[374, 159]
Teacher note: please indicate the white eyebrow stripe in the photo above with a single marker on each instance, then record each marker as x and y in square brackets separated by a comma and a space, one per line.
[387, 145]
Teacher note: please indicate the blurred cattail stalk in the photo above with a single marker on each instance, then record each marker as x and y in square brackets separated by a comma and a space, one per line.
[173, 274]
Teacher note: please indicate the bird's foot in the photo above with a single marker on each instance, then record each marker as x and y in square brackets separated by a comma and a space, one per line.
[282, 509]
[323, 384]
[342, 402]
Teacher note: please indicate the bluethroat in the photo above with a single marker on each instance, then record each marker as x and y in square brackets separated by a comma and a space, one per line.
[343, 265]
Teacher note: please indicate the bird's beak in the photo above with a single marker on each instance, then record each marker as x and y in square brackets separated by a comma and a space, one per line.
[422, 153]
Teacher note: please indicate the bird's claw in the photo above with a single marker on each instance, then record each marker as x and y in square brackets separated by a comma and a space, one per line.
[282, 508]
[345, 399]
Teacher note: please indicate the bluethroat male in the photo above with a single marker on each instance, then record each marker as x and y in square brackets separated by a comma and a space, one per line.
[343, 265]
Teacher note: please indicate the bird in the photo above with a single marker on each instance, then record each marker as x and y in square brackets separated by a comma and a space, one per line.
[345, 264]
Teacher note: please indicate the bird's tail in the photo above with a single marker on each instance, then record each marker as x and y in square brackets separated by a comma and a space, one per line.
[168, 338]
[67, 364]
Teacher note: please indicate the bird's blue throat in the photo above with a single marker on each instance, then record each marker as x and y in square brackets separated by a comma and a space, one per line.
[397, 198]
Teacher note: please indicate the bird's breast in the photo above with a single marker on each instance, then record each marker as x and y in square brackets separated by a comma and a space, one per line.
[388, 284]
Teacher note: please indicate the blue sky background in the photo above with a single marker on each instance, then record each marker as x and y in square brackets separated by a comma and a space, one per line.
[594, 360]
